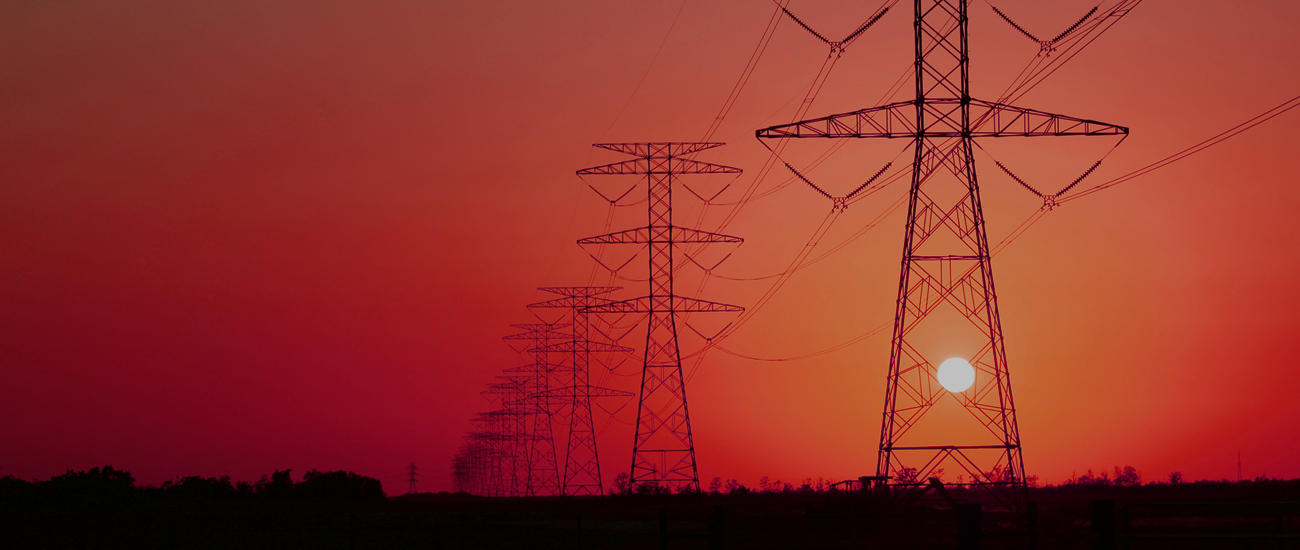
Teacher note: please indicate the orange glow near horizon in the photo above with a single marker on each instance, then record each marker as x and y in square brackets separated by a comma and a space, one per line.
[240, 237]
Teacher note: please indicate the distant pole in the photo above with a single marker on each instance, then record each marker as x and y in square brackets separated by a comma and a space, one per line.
[410, 470]
[1239, 466]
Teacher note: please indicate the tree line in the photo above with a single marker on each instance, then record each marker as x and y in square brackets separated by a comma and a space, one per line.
[110, 485]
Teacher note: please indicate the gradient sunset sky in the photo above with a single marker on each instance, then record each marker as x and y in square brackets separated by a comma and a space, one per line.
[245, 236]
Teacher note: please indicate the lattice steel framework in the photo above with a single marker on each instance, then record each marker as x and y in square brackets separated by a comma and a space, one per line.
[486, 454]
[663, 450]
[581, 457]
[541, 467]
[514, 415]
[946, 259]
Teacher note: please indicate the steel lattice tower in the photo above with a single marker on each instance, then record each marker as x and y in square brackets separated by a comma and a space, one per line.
[513, 394]
[542, 474]
[486, 456]
[663, 450]
[581, 458]
[946, 256]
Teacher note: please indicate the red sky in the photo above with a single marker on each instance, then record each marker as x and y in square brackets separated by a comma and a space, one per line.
[245, 236]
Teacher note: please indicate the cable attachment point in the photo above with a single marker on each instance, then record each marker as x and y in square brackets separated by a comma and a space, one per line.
[839, 204]
[1046, 47]
[1050, 202]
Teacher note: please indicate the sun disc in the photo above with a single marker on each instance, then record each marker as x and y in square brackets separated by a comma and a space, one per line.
[955, 375]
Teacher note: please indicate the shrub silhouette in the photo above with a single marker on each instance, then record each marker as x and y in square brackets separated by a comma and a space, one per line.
[280, 485]
[1127, 477]
[15, 490]
[622, 485]
[97, 485]
[652, 488]
[200, 488]
[338, 485]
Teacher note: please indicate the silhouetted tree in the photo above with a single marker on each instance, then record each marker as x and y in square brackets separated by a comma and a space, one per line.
[715, 486]
[1088, 479]
[652, 488]
[621, 485]
[200, 488]
[1175, 478]
[823, 484]
[734, 487]
[1128, 477]
[339, 485]
[280, 485]
[99, 485]
[16, 491]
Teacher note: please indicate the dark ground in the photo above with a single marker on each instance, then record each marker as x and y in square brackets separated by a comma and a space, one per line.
[1232, 513]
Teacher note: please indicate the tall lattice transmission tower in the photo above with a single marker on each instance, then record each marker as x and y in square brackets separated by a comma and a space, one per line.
[581, 471]
[663, 450]
[541, 474]
[946, 266]
[410, 478]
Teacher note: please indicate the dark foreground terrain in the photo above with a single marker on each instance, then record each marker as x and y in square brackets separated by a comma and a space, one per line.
[1258, 514]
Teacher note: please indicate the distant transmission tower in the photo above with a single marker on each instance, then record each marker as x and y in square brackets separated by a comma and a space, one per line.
[541, 476]
[663, 451]
[946, 260]
[410, 488]
[581, 459]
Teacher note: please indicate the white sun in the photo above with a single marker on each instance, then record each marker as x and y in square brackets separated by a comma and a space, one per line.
[956, 375]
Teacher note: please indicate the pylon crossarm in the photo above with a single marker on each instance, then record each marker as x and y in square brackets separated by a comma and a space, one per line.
[895, 120]
[571, 347]
[987, 119]
[567, 302]
[679, 304]
[570, 392]
[539, 326]
[660, 234]
[579, 291]
[658, 149]
[536, 335]
[657, 165]
[990, 119]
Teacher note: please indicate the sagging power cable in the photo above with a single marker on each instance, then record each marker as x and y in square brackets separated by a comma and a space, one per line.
[838, 47]
[1045, 47]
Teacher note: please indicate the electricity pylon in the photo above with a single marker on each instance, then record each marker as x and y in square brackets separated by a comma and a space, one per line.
[542, 474]
[410, 488]
[513, 394]
[946, 258]
[487, 455]
[581, 458]
[663, 450]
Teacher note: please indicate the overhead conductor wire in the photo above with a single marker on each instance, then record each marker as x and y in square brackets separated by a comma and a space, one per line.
[769, 163]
